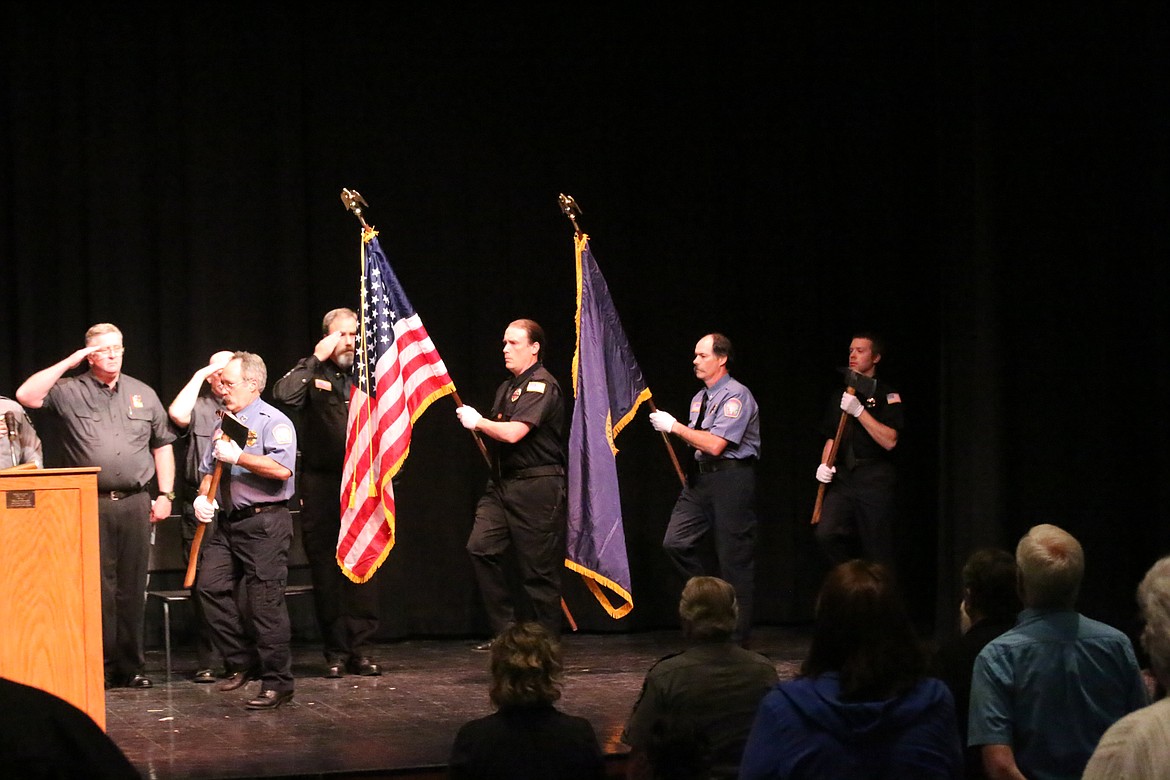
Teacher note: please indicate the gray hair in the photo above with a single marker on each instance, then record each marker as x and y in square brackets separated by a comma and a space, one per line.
[1051, 564]
[334, 314]
[100, 329]
[708, 609]
[252, 367]
[1153, 596]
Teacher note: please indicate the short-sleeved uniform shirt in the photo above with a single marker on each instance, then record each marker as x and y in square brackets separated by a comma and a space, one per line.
[732, 414]
[116, 430]
[885, 404]
[270, 433]
[534, 398]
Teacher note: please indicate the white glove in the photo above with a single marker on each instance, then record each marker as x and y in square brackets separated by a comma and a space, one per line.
[662, 421]
[825, 473]
[468, 417]
[851, 404]
[228, 451]
[204, 510]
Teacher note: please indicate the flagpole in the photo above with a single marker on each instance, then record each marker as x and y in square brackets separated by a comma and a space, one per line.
[353, 201]
[572, 210]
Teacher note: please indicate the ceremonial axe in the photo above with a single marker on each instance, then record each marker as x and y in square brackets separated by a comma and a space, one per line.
[231, 429]
[855, 384]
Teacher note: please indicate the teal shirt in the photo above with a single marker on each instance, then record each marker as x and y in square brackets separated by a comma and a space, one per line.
[1050, 687]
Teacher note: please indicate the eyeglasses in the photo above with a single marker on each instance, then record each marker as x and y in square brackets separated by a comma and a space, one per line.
[109, 351]
[226, 385]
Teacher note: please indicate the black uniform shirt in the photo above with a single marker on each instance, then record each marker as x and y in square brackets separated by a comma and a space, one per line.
[204, 421]
[534, 398]
[116, 430]
[885, 404]
[319, 391]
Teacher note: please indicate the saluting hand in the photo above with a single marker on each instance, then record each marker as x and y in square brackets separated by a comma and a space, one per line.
[80, 355]
[324, 349]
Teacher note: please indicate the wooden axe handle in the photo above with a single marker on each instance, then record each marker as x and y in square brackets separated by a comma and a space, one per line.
[816, 515]
[193, 556]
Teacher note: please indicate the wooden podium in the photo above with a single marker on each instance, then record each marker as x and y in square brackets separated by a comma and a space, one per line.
[50, 585]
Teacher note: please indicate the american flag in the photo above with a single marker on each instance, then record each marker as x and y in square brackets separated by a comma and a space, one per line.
[398, 374]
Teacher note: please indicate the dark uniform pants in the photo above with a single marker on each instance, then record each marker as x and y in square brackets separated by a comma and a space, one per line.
[254, 549]
[347, 613]
[724, 503]
[857, 514]
[124, 542]
[525, 517]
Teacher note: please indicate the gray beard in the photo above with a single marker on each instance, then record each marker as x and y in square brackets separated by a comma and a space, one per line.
[344, 361]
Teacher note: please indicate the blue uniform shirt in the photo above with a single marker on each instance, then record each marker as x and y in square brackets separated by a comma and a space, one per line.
[270, 433]
[732, 414]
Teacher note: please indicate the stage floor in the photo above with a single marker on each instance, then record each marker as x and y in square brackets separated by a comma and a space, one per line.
[398, 725]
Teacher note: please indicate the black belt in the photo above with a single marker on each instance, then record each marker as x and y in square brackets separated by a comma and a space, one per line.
[118, 495]
[711, 466]
[255, 509]
[535, 471]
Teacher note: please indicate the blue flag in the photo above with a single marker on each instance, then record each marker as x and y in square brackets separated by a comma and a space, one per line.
[609, 387]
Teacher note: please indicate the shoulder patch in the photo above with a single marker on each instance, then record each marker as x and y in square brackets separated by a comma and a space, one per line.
[732, 408]
[893, 398]
[282, 434]
[322, 384]
[535, 387]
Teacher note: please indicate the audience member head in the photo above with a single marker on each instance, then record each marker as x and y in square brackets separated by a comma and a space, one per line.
[1153, 597]
[708, 609]
[526, 667]
[1051, 564]
[864, 634]
[990, 586]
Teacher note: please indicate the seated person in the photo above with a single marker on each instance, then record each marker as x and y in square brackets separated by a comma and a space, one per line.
[701, 701]
[989, 607]
[1136, 746]
[1044, 692]
[44, 736]
[527, 737]
[862, 705]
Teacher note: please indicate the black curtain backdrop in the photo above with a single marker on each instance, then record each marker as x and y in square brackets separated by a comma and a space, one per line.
[986, 188]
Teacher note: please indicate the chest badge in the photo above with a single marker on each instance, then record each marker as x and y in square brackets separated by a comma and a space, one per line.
[322, 384]
[515, 394]
[251, 438]
[136, 401]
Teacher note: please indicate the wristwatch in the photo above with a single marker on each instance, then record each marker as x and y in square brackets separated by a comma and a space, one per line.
[168, 496]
